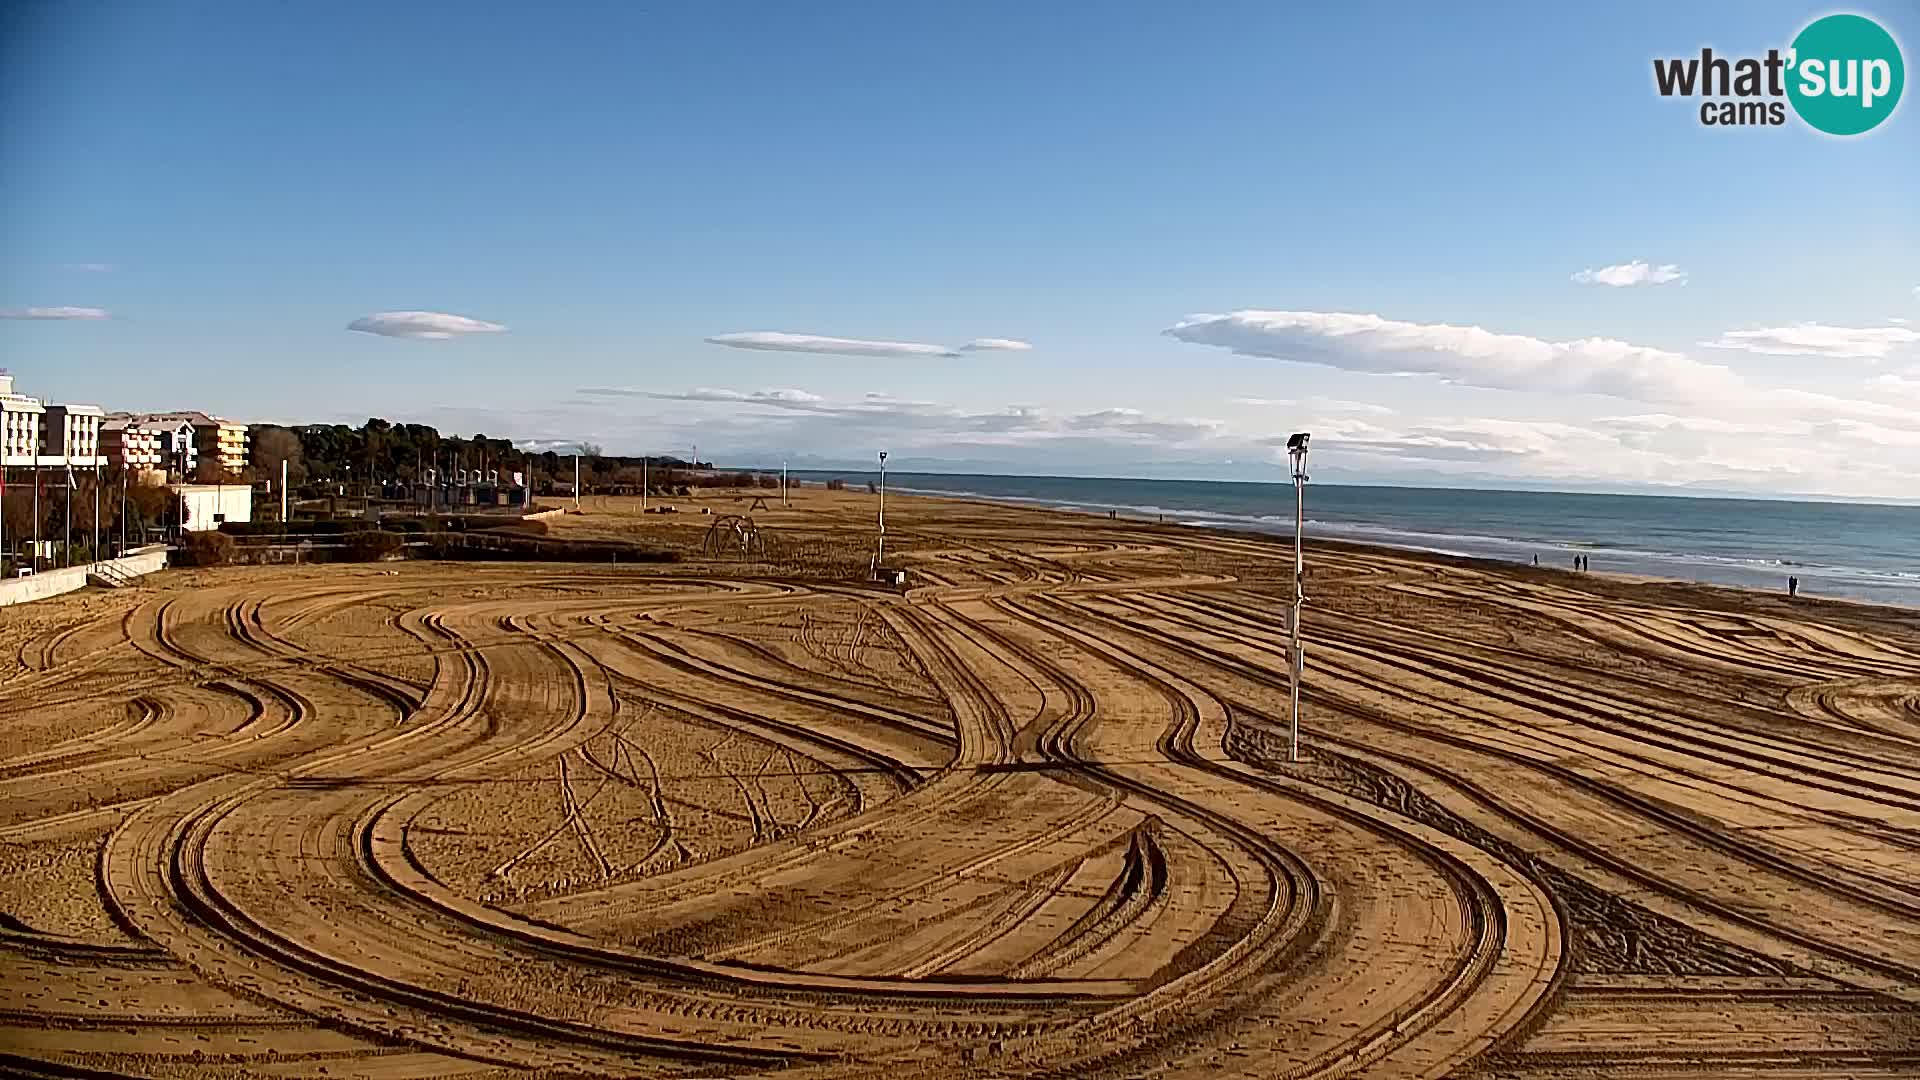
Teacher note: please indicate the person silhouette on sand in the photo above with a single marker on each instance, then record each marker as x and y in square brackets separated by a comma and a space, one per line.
[1793, 586]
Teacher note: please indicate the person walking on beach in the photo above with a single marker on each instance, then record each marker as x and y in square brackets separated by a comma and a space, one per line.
[1793, 586]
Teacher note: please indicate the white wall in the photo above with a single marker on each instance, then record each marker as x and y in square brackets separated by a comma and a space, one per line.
[54, 582]
[206, 503]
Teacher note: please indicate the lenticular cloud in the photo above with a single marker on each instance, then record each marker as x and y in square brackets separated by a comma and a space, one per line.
[426, 325]
[54, 313]
[781, 341]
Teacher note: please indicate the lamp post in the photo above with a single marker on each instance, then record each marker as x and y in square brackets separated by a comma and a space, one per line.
[1297, 455]
[880, 552]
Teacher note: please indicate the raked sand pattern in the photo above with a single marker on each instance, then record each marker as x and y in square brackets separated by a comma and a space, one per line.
[1032, 817]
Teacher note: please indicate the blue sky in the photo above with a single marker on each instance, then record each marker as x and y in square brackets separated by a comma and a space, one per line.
[234, 184]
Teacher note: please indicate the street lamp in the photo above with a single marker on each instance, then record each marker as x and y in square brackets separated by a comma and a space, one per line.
[1297, 455]
[881, 551]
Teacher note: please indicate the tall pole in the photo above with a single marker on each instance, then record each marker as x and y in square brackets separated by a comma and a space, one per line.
[1297, 452]
[124, 470]
[96, 506]
[881, 551]
[576, 479]
[66, 540]
[283, 494]
[36, 509]
[643, 483]
[783, 485]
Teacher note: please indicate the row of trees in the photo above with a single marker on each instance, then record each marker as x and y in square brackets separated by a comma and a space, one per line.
[379, 452]
[146, 506]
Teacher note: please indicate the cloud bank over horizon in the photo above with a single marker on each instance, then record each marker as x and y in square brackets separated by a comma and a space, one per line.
[1871, 343]
[1467, 355]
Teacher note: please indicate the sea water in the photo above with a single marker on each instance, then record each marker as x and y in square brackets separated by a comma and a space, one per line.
[1856, 551]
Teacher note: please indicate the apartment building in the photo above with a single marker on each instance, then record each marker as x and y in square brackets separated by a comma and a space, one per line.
[20, 418]
[149, 451]
[72, 434]
[223, 442]
[33, 432]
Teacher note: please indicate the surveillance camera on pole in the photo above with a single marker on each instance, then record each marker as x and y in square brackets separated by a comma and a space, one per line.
[1297, 455]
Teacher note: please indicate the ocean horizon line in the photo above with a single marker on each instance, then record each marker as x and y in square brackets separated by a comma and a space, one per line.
[1284, 481]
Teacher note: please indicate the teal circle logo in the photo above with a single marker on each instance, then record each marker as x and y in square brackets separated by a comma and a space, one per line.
[1845, 74]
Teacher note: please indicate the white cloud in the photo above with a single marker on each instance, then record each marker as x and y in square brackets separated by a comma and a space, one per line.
[557, 446]
[1650, 423]
[1637, 272]
[1316, 404]
[780, 341]
[789, 399]
[1897, 385]
[91, 268]
[767, 397]
[1462, 354]
[426, 325]
[909, 421]
[1866, 432]
[1134, 422]
[1813, 339]
[1471, 439]
[64, 313]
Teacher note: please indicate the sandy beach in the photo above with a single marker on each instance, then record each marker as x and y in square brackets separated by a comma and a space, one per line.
[747, 814]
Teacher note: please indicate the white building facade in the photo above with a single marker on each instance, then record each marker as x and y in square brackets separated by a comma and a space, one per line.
[209, 506]
[20, 420]
[34, 433]
[71, 433]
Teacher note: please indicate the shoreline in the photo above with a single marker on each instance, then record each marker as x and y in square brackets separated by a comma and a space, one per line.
[1624, 579]
[1843, 558]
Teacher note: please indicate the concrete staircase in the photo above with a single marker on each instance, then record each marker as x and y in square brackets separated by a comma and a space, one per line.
[108, 576]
